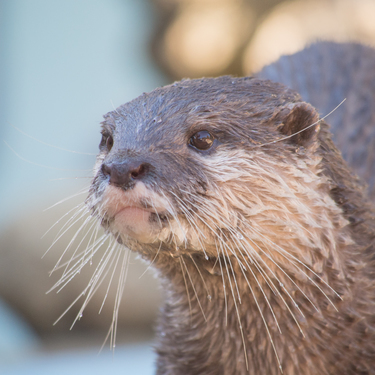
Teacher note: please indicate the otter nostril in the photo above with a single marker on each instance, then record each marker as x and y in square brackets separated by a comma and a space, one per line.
[134, 174]
[138, 172]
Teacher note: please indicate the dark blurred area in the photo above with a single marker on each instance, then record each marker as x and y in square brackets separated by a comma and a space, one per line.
[63, 65]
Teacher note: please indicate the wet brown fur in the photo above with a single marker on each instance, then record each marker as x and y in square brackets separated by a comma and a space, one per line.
[286, 284]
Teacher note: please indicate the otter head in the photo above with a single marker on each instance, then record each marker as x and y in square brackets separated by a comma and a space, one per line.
[224, 166]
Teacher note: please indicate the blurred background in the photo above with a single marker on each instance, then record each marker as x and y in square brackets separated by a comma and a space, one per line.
[65, 63]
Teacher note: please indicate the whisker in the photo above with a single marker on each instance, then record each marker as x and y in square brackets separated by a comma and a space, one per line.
[71, 178]
[286, 274]
[307, 127]
[71, 241]
[225, 257]
[62, 217]
[201, 276]
[286, 254]
[275, 289]
[265, 277]
[94, 223]
[187, 214]
[96, 280]
[262, 315]
[112, 275]
[187, 289]
[152, 262]
[50, 145]
[42, 165]
[192, 284]
[224, 286]
[76, 268]
[80, 212]
[120, 292]
[74, 301]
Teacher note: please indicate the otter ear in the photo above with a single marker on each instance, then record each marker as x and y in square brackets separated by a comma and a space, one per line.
[296, 117]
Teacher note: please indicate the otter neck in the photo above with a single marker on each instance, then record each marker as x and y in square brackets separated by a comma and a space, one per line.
[223, 319]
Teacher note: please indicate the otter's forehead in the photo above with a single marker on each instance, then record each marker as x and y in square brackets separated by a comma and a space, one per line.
[167, 115]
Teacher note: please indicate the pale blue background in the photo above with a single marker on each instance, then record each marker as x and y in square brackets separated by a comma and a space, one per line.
[64, 63]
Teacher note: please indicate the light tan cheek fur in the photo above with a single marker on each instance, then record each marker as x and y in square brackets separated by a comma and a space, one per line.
[271, 206]
[265, 206]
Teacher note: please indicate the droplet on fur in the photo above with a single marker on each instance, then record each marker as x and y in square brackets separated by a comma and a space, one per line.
[281, 284]
[206, 257]
[209, 298]
[240, 236]
[243, 266]
[318, 267]
[175, 255]
[214, 271]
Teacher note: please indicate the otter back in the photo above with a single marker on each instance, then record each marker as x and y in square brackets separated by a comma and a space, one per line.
[326, 73]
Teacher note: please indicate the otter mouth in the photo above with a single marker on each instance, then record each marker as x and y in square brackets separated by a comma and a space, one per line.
[138, 214]
[159, 217]
[138, 223]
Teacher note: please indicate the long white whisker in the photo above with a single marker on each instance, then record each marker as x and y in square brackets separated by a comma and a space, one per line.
[111, 278]
[192, 285]
[79, 206]
[76, 268]
[72, 240]
[81, 213]
[200, 274]
[89, 230]
[94, 283]
[224, 286]
[262, 315]
[152, 262]
[286, 254]
[186, 286]
[120, 292]
[225, 257]
[50, 145]
[307, 127]
[84, 190]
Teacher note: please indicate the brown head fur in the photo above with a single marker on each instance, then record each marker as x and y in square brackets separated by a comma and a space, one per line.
[264, 241]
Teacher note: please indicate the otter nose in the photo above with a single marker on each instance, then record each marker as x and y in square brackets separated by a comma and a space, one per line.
[125, 174]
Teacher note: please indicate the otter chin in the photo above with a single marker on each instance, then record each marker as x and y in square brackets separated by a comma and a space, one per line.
[134, 222]
[262, 237]
[130, 214]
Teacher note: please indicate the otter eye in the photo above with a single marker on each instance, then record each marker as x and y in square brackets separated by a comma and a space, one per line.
[202, 140]
[109, 143]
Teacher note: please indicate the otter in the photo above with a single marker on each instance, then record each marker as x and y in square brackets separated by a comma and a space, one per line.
[262, 237]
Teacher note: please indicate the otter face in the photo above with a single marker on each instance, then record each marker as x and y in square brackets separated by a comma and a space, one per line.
[214, 160]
